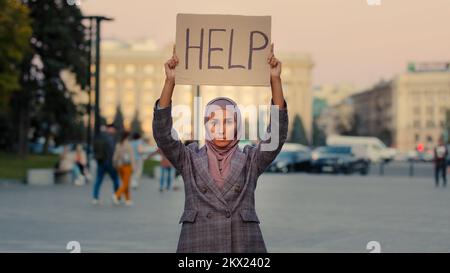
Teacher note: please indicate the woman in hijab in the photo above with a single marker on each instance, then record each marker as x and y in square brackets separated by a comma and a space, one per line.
[220, 146]
[220, 178]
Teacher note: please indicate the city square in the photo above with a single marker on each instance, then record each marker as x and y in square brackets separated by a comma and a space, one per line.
[333, 115]
[298, 213]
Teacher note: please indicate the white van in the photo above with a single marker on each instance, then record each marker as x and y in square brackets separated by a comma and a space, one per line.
[375, 149]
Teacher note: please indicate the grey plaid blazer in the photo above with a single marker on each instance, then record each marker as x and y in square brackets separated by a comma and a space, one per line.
[214, 219]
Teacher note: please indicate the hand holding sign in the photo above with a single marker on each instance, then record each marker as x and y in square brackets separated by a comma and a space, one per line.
[170, 65]
[223, 50]
[275, 64]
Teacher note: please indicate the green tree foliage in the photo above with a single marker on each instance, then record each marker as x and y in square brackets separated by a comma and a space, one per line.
[15, 33]
[319, 138]
[136, 126]
[298, 134]
[118, 121]
[44, 101]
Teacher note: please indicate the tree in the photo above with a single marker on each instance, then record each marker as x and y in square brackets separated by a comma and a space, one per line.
[318, 106]
[319, 138]
[57, 43]
[298, 134]
[118, 120]
[136, 126]
[15, 32]
[103, 121]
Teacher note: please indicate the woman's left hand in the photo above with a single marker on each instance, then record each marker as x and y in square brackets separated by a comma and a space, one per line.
[275, 64]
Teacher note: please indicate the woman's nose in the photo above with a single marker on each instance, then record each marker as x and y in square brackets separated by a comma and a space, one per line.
[221, 129]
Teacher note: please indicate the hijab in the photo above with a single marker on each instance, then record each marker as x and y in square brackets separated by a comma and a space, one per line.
[219, 158]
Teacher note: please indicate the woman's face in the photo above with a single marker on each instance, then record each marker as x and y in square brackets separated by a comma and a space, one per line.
[221, 127]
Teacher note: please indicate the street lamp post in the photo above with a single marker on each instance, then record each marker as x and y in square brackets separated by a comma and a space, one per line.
[98, 20]
[89, 90]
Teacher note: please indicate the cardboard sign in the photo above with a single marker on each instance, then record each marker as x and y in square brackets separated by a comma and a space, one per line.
[223, 50]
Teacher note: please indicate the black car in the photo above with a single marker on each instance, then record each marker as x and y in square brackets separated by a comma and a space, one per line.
[338, 159]
[291, 161]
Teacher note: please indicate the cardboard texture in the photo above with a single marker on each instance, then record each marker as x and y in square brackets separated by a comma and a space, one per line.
[223, 50]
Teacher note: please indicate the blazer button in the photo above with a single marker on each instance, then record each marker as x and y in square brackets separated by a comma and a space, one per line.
[209, 215]
[204, 189]
[237, 189]
[228, 214]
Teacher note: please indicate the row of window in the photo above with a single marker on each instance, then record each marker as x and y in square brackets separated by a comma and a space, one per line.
[430, 110]
[128, 95]
[150, 69]
[428, 138]
[128, 110]
[129, 69]
[428, 124]
[128, 83]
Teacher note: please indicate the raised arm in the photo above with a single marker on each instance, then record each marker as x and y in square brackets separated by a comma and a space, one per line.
[165, 136]
[169, 84]
[275, 79]
[268, 149]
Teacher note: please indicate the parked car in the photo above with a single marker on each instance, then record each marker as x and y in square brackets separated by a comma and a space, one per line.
[338, 159]
[375, 149]
[292, 158]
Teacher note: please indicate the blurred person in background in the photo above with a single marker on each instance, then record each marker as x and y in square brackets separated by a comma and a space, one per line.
[67, 163]
[440, 163]
[165, 172]
[138, 149]
[81, 162]
[104, 145]
[125, 163]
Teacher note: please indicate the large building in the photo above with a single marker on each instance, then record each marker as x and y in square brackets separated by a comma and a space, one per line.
[338, 119]
[334, 94]
[373, 112]
[132, 77]
[409, 110]
[333, 110]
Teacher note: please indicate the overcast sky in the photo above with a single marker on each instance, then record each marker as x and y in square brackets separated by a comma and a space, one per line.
[349, 41]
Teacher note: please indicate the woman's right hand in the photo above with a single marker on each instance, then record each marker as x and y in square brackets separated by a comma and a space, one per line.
[170, 65]
[166, 94]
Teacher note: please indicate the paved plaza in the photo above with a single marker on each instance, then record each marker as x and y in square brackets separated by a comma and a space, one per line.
[298, 213]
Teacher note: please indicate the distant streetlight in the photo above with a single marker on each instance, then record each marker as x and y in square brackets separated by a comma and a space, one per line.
[97, 20]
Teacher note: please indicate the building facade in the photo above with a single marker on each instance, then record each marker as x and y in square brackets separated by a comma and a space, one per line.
[407, 111]
[335, 94]
[133, 75]
[374, 112]
[421, 100]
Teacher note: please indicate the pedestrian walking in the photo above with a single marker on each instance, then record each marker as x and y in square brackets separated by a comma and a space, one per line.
[124, 162]
[165, 174]
[104, 146]
[138, 150]
[440, 163]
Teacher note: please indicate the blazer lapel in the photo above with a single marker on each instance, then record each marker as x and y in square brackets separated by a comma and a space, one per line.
[201, 163]
[237, 163]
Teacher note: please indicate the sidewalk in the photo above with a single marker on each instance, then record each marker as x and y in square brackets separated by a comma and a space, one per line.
[298, 213]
